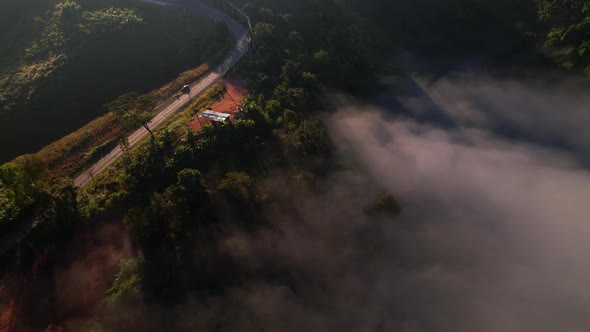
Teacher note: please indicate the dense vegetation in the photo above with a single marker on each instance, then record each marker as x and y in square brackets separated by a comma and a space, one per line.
[171, 189]
[504, 31]
[456, 28]
[180, 191]
[567, 28]
[79, 37]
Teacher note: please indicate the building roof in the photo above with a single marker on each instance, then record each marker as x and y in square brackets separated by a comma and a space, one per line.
[214, 116]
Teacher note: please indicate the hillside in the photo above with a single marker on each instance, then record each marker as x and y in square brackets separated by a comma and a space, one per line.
[388, 166]
[18, 28]
[58, 74]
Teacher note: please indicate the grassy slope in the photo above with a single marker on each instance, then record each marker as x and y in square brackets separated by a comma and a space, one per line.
[71, 153]
[17, 28]
[136, 59]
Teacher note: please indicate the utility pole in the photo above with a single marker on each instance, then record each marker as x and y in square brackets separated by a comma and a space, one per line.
[232, 98]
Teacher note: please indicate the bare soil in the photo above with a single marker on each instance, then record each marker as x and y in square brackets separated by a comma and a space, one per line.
[64, 288]
[235, 93]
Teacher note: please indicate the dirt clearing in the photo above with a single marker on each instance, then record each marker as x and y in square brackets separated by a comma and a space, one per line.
[235, 91]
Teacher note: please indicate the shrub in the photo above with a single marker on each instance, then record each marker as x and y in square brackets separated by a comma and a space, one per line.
[384, 204]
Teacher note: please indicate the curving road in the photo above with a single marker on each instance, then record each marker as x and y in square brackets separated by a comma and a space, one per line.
[238, 32]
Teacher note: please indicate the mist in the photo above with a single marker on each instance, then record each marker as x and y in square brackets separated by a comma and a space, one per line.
[548, 110]
[499, 202]
[493, 235]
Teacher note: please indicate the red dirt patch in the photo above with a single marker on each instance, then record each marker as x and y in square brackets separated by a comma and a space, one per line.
[235, 93]
[66, 287]
[8, 316]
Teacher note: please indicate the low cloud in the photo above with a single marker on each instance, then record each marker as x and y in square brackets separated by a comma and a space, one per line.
[493, 236]
[546, 110]
[502, 224]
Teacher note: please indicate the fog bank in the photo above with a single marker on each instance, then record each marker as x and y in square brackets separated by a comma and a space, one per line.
[501, 221]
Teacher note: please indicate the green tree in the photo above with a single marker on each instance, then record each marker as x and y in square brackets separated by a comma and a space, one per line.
[321, 57]
[273, 108]
[262, 31]
[291, 120]
[309, 138]
[567, 23]
[22, 183]
[17, 192]
[56, 213]
[290, 97]
[126, 288]
[313, 137]
[292, 72]
[238, 184]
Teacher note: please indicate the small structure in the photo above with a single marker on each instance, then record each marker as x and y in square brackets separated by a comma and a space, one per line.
[214, 116]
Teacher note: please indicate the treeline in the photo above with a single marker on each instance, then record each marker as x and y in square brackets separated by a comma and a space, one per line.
[566, 28]
[69, 24]
[455, 28]
[182, 190]
[311, 41]
[508, 31]
[179, 192]
[182, 193]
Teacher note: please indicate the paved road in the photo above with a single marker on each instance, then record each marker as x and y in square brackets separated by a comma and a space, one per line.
[238, 32]
[242, 38]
